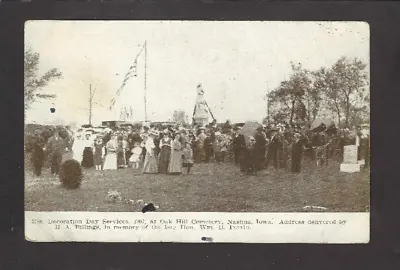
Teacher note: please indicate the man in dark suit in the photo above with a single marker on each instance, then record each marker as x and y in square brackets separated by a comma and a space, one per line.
[56, 148]
[38, 153]
[250, 157]
[365, 145]
[273, 148]
[236, 144]
[259, 149]
[242, 153]
[297, 153]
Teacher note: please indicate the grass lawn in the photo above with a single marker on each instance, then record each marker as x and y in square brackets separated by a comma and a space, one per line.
[210, 188]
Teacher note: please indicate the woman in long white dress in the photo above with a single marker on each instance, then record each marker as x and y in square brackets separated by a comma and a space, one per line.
[110, 162]
[175, 163]
[78, 147]
[150, 161]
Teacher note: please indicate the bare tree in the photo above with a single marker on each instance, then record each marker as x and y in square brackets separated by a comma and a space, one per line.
[91, 102]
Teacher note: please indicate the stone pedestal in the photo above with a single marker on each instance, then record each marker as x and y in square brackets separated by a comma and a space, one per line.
[350, 168]
[201, 121]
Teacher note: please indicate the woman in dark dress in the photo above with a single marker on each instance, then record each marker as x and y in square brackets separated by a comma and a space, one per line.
[157, 149]
[121, 158]
[129, 146]
[165, 153]
[87, 160]
[99, 153]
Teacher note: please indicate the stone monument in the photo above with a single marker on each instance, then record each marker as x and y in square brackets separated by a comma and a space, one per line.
[350, 163]
[200, 115]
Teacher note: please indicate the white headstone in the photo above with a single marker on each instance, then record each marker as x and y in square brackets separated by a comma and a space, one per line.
[350, 154]
[350, 163]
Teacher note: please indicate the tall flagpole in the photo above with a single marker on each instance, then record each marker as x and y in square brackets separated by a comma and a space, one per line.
[145, 80]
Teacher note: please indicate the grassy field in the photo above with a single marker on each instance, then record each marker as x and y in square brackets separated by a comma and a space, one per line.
[210, 188]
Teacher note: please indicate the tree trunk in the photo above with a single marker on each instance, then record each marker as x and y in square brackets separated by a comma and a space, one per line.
[347, 111]
[338, 113]
[339, 122]
[292, 113]
[309, 111]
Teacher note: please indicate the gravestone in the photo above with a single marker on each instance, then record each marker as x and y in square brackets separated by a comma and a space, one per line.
[350, 163]
[350, 154]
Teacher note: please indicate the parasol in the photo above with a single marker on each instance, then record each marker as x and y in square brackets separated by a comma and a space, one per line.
[322, 124]
[249, 129]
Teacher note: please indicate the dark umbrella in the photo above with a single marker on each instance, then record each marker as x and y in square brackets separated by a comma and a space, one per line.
[321, 124]
[249, 129]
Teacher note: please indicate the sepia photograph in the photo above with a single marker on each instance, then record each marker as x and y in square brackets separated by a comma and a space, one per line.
[197, 116]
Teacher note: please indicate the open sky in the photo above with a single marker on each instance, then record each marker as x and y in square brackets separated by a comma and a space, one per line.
[237, 62]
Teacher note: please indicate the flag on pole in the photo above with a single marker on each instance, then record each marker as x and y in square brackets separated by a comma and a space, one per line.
[132, 72]
[112, 103]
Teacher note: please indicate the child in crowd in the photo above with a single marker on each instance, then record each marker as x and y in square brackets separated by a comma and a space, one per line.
[134, 159]
[99, 153]
[187, 155]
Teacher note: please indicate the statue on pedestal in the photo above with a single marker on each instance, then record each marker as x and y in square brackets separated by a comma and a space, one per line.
[201, 112]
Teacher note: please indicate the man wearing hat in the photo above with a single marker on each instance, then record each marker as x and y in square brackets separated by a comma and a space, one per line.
[56, 147]
[38, 156]
[273, 148]
[365, 144]
[208, 145]
[200, 144]
[297, 153]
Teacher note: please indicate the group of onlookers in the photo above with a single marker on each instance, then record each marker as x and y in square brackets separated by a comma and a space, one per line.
[152, 151]
[54, 146]
[174, 149]
[268, 147]
[288, 148]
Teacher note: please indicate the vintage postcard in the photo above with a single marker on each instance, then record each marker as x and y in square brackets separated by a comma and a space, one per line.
[197, 131]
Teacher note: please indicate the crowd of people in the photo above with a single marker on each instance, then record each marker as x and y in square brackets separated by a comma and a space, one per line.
[175, 149]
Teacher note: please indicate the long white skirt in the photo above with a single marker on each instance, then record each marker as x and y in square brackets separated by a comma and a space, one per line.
[110, 162]
[150, 164]
[77, 154]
